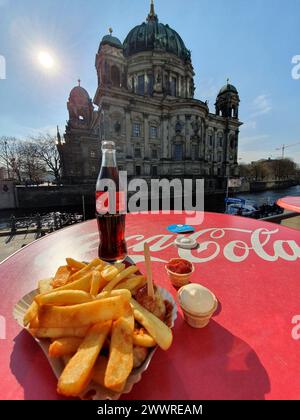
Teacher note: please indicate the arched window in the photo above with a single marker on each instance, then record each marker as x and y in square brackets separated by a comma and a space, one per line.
[115, 76]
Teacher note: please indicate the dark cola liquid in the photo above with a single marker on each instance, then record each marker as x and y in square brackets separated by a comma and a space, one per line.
[112, 246]
[111, 227]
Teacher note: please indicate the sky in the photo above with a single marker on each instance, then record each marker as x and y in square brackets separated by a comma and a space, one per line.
[253, 43]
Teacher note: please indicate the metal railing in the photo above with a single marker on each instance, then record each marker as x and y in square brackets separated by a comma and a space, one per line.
[43, 223]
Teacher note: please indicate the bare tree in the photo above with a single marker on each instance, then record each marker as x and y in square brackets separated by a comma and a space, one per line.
[46, 151]
[32, 167]
[276, 169]
[11, 156]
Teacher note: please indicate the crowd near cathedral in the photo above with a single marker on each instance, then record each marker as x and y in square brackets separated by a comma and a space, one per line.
[145, 103]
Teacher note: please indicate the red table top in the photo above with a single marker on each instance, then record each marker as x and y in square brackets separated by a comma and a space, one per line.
[290, 203]
[246, 352]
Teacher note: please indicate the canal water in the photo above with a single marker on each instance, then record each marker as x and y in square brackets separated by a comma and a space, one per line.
[217, 203]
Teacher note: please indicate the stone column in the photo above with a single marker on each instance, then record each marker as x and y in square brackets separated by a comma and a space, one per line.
[165, 137]
[188, 148]
[146, 136]
[128, 133]
[202, 149]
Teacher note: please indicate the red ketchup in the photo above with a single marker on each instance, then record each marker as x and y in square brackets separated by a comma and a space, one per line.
[180, 266]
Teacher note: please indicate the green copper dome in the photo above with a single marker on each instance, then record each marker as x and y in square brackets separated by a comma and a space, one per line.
[112, 41]
[228, 89]
[155, 36]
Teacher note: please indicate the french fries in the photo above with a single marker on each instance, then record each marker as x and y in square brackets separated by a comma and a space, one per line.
[75, 265]
[59, 332]
[121, 276]
[155, 327]
[62, 276]
[142, 339]
[64, 346]
[84, 283]
[132, 283]
[95, 263]
[95, 284]
[86, 314]
[78, 371]
[64, 298]
[99, 374]
[92, 312]
[109, 273]
[120, 362]
[113, 293]
[31, 313]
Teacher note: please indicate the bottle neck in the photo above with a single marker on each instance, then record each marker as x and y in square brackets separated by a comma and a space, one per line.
[109, 159]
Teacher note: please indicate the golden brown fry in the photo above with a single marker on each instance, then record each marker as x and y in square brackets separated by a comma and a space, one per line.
[84, 283]
[132, 283]
[64, 346]
[79, 370]
[113, 293]
[59, 332]
[64, 298]
[31, 313]
[100, 310]
[61, 277]
[95, 263]
[45, 286]
[109, 273]
[120, 362]
[155, 327]
[121, 276]
[95, 284]
[77, 265]
[99, 373]
[142, 339]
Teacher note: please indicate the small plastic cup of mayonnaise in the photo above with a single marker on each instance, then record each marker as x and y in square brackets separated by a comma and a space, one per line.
[198, 304]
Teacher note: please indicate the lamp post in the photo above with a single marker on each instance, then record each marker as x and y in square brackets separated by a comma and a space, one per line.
[6, 158]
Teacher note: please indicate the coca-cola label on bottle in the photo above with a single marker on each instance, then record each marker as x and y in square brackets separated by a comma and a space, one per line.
[103, 205]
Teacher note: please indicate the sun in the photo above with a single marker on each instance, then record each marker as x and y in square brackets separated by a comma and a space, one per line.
[46, 60]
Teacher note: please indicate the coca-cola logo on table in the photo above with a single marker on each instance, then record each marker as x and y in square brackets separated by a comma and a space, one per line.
[214, 242]
[232, 244]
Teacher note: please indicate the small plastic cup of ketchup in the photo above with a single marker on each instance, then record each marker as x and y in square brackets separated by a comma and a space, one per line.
[179, 271]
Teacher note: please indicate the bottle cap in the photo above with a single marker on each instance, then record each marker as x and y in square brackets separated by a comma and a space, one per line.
[180, 228]
[185, 243]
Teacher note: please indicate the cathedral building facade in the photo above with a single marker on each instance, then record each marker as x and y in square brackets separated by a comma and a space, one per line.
[145, 103]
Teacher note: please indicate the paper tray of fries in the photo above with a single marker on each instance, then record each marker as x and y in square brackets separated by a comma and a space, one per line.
[92, 390]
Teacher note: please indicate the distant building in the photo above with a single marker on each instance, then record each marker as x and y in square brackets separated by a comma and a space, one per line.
[145, 103]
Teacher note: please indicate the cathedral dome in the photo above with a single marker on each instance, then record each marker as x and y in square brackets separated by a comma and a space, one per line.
[155, 36]
[79, 95]
[113, 41]
[228, 89]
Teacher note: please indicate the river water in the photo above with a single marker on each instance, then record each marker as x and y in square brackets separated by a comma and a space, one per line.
[266, 197]
[217, 203]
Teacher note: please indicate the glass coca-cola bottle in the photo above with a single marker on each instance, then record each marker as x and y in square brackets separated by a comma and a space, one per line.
[110, 208]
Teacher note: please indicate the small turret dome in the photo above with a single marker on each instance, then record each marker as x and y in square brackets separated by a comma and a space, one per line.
[112, 41]
[228, 89]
